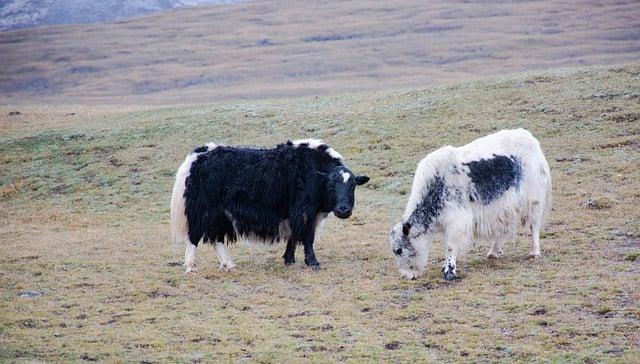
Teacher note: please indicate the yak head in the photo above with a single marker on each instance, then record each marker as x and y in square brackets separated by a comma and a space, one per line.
[411, 249]
[340, 189]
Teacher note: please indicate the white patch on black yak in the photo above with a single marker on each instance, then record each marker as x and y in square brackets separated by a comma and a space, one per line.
[320, 220]
[211, 146]
[318, 144]
[206, 148]
[179, 226]
[475, 192]
[345, 176]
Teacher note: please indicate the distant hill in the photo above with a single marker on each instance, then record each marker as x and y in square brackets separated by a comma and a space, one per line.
[17, 14]
[280, 48]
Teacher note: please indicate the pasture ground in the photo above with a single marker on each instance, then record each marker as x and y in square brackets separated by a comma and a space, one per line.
[87, 272]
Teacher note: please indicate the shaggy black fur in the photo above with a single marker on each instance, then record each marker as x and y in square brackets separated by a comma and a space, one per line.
[492, 177]
[246, 191]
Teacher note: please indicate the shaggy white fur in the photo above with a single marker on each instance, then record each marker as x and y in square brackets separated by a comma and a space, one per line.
[461, 220]
[178, 224]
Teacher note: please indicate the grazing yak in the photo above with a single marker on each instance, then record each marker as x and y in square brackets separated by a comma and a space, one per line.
[280, 194]
[475, 192]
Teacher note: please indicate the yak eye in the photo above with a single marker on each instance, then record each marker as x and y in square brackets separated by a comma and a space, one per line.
[398, 251]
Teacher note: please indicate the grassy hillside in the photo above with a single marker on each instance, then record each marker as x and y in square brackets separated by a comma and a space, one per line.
[88, 273]
[279, 48]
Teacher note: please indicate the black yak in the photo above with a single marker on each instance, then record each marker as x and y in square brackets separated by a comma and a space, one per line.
[279, 194]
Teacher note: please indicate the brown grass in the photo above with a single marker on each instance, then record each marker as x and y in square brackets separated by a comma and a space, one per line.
[83, 227]
[290, 48]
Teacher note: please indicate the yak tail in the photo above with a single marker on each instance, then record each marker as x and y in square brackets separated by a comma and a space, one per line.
[179, 224]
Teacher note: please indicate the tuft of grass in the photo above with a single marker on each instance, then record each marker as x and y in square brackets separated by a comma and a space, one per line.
[600, 203]
[603, 309]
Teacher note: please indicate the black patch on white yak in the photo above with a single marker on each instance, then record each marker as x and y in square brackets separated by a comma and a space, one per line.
[431, 204]
[492, 177]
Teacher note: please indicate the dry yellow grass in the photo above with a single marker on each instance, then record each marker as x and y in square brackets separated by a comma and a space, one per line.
[84, 209]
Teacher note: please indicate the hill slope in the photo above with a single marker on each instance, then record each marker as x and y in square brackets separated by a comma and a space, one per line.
[88, 273]
[287, 48]
[16, 14]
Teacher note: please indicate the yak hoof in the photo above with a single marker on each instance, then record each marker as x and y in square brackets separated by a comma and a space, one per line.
[289, 262]
[314, 265]
[534, 255]
[191, 270]
[450, 276]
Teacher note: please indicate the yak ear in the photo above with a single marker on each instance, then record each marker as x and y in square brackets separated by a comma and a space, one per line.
[405, 228]
[360, 180]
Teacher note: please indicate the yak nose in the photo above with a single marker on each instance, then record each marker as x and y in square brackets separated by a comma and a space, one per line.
[343, 211]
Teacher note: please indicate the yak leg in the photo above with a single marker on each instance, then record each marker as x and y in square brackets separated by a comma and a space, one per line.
[290, 254]
[536, 222]
[226, 263]
[309, 255]
[449, 268]
[302, 221]
[458, 237]
[190, 257]
[496, 250]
